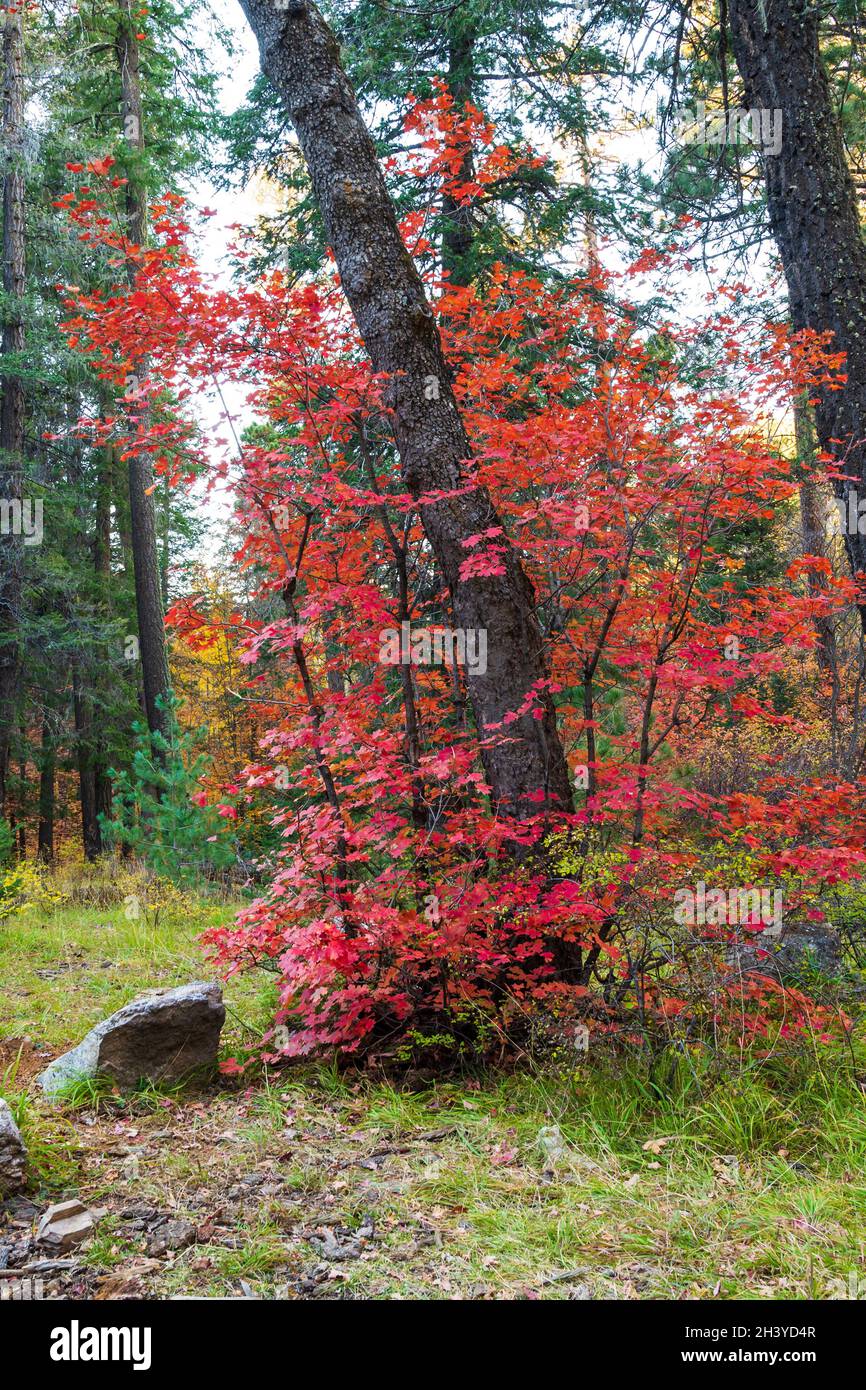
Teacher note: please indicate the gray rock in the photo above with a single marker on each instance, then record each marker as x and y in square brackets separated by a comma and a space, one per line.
[160, 1037]
[13, 1154]
[812, 947]
[64, 1225]
[174, 1235]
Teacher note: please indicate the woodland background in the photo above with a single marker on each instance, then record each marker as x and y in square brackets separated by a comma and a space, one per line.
[542, 356]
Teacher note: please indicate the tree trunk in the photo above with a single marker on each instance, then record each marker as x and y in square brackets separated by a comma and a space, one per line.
[21, 809]
[816, 500]
[47, 764]
[148, 593]
[813, 212]
[102, 567]
[102, 533]
[12, 395]
[301, 57]
[458, 235]
[86, 780]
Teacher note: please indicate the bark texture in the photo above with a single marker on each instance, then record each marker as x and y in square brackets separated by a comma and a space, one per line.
[12, 392]
[148, 592]
[90, 832]
[813, 212]
[458, 236]
[47, 768]
[816, 505]
[301, 58]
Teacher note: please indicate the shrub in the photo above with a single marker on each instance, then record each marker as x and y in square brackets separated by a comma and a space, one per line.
[24, 886]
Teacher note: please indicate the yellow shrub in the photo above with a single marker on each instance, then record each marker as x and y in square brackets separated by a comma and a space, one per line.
[24, 886]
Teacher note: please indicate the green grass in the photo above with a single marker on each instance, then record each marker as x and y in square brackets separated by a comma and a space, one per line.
[50, 1140]
[717, 1206]
[64, 971]
[263, 1249]
[685, 1181]
[109, 1248]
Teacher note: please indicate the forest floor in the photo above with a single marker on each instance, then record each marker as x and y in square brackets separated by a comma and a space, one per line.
[308, 1182]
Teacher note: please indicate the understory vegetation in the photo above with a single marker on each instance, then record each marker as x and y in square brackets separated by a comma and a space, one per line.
[609, 1174]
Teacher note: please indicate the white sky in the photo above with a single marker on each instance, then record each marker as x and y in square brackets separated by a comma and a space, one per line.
[236, 76]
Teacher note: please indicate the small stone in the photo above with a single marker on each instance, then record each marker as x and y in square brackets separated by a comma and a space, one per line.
[174, 1235]
[13, 1154]
[64, 1225]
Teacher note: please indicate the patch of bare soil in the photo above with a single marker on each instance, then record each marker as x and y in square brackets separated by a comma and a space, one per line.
[208, 1197]
[20, 1057]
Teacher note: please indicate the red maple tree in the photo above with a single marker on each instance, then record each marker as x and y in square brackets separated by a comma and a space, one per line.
[623, 453]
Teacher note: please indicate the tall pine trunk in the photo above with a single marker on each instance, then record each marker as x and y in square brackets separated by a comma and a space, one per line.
[90, 831]
[301, 57]
[102, 568]
[11, 385]
[813, 212]
[458, 236]
[47, 768]
[148, 593]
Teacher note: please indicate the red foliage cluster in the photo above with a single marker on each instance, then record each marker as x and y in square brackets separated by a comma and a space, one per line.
[622, 459]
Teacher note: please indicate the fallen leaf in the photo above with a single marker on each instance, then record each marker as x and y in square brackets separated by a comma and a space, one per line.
[655, 1146]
